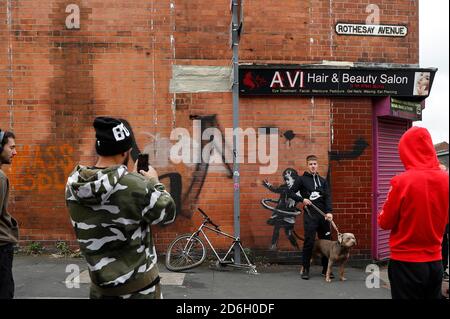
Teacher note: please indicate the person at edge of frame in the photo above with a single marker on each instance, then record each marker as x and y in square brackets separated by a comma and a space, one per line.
[416, 212]
[9, 230]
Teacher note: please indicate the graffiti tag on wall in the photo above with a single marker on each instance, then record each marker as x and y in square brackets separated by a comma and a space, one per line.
[42, 167]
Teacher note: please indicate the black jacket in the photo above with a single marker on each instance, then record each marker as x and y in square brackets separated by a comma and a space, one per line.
[307, 184]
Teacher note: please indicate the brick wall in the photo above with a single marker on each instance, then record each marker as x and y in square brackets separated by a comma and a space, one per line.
[303, 31]
[54, 81]
[351, 170]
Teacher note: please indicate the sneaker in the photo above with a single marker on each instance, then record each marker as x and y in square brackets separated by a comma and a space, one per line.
[273, 247]
[324, 274]
[305, 274]
[445, 277]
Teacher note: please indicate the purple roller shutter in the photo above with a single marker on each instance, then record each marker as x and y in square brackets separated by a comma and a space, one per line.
[388, 164]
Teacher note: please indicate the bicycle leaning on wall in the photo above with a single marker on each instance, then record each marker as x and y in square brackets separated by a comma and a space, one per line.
[188, 251]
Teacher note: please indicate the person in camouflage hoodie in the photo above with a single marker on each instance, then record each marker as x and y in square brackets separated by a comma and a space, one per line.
[111, 211]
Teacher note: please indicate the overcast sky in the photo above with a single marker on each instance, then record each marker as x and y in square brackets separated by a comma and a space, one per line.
[434, 33]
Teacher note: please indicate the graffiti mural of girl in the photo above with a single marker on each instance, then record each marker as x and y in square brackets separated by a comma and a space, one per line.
[285, 212]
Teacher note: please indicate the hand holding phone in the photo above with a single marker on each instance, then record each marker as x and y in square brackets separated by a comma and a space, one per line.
[142, 164]
[143, 167]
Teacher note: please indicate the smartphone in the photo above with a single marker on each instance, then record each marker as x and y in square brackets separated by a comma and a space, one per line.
[142, 162]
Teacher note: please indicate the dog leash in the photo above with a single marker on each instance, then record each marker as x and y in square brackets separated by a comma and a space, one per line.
[323, 214]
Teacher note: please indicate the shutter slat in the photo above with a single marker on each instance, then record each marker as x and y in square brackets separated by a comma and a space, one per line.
[389, 165]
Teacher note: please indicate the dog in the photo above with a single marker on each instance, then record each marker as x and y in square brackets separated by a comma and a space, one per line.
[336, 252]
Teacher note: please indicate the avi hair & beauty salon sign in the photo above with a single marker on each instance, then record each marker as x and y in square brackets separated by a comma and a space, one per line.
[350, 81]
[380, 30]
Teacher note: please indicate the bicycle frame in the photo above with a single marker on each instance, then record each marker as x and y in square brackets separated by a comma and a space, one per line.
[236, 242]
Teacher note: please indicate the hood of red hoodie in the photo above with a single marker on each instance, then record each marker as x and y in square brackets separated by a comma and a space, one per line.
[416, 149]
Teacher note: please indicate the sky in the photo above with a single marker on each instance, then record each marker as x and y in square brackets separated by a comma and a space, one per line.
[434, 52]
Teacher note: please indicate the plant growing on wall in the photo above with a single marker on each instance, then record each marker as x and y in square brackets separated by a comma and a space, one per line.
[34, 248]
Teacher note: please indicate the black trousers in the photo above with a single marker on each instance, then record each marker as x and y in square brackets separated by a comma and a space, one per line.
[6, 276]
[445, 249]
[314, 223]
[413, 280]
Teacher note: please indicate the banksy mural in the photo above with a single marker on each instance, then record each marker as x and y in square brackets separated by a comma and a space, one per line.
[284, 210]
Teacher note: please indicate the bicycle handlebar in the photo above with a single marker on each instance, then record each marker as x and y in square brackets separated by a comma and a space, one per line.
[207, 218]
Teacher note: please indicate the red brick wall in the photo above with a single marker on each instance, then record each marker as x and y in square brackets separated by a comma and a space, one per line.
[54, 81]
[303, 31]
[351, 172]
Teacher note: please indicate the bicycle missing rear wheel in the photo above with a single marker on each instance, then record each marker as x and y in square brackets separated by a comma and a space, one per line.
[188, 251]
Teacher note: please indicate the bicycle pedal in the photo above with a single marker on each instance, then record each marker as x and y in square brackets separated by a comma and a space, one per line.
[226, 262]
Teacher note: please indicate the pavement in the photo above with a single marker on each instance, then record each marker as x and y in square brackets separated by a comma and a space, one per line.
[47, 277]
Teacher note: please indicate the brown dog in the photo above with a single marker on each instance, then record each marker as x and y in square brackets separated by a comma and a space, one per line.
[336, 252]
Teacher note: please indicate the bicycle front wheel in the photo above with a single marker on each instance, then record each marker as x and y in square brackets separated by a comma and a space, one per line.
[185, 253]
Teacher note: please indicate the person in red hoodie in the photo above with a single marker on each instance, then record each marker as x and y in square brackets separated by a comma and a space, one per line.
[416, 212]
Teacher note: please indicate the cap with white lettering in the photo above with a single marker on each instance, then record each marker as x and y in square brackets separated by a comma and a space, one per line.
[112, 136]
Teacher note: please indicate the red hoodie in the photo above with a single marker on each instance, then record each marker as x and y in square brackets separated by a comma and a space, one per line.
[416, 207]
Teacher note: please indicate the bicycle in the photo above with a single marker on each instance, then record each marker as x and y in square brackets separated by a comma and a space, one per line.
[188, 251]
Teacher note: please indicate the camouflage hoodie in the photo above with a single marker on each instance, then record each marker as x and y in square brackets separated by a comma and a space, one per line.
[111, 212]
